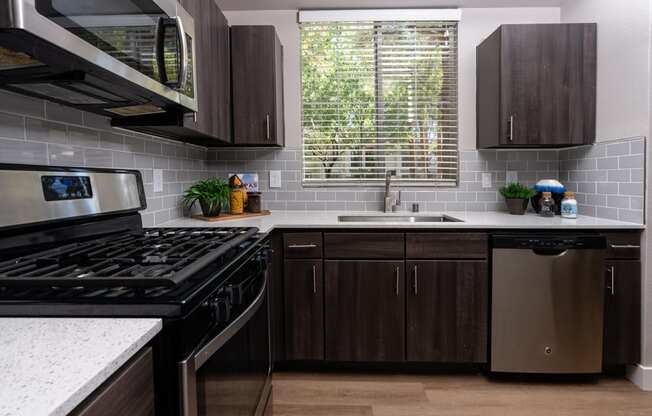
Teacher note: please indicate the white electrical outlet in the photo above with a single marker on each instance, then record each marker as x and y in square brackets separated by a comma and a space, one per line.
[275, 179]
[486, 180]
[158, 180]
[512, 176]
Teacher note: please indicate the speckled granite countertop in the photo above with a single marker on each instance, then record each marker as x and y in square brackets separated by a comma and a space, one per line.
[471, 220]
[48, 366]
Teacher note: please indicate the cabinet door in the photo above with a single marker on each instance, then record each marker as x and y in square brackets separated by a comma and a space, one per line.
[548, 83]
[213, 117]
[304, 310]
[622, 326]
[447, 306]
[255, 54]
[130, 391]
[365, 310]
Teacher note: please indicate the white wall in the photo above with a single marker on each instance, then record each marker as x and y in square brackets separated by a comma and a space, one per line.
[476, 25]
[623, 107]
[623, 74]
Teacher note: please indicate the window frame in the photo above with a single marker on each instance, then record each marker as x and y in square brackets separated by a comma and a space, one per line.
[374, 183]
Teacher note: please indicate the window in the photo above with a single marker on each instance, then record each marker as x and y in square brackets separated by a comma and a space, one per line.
[378, 96]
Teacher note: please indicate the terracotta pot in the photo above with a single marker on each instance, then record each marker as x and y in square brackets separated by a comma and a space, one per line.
[210, 210]
[516, 206]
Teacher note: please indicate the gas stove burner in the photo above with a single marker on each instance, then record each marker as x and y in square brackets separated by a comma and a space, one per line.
[156, 257]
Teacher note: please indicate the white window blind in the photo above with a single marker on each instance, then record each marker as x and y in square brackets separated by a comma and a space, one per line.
[379, 96]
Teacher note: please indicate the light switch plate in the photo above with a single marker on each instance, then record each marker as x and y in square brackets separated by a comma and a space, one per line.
[486, 180]
[275, 179]
[512, 176]
[158, 180]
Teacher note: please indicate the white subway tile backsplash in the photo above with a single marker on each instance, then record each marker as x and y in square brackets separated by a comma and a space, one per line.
[608, 177]
[51, 134]
[613, 187]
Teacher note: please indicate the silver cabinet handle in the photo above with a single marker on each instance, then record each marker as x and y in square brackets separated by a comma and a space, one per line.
[314, 278]
[267, 124]
[612, 288]
[398, 278]
[511, 127]
[617, 246]
[415, 286]
[311, 245]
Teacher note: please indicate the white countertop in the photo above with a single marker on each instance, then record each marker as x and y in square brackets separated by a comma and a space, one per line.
[48, 366]
[472, 220]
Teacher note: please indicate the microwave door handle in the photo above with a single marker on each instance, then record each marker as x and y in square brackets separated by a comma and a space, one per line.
[161, 24]
[182, 82]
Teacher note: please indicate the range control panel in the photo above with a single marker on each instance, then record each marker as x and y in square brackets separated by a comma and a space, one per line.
[563, 242]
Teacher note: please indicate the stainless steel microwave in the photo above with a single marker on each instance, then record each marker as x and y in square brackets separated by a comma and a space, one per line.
[113, 57]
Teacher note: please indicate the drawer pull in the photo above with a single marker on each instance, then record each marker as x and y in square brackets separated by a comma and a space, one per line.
[623, 246]
[398, 278]
[416, 281]
[314, 279]
[298, 246]
[612, 287]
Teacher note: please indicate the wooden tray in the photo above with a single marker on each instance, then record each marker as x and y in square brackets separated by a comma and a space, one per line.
[227, 217]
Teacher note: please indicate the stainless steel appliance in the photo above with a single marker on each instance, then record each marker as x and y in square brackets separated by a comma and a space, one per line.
[72, 244]
[117, 57]
[547, 304]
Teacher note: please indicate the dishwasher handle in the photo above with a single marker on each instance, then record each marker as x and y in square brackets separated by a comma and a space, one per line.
[550, 252]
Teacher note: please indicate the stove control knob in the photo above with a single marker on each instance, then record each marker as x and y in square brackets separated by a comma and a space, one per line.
[221, 310]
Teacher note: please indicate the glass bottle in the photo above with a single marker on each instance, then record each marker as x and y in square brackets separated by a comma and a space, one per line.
[547, 205]
[569, 205]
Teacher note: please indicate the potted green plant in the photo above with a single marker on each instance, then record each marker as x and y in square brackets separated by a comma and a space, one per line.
[212, 194]
[517, 197]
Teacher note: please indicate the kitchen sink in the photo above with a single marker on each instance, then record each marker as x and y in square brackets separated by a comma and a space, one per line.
[397, 218]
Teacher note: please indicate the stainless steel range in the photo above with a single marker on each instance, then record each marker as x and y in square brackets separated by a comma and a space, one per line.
[72, 244]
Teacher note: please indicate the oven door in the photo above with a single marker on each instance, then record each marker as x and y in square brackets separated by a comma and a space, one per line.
[230, 374]
[148, 42]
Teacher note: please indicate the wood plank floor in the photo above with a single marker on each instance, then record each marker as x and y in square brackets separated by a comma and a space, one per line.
[328, 394]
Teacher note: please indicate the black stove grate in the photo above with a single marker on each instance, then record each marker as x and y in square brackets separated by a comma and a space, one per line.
[153, 260]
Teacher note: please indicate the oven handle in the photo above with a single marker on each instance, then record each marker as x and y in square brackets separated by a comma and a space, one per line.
[189, 366]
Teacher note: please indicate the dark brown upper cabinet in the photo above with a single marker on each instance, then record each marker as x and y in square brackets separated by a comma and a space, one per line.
[211, 124]
[536, 86]
[257, 76]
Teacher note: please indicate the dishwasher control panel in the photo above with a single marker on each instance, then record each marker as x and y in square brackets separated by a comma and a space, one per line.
[529, 242]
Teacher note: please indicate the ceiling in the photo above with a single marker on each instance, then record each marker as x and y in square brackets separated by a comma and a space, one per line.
[352, 4]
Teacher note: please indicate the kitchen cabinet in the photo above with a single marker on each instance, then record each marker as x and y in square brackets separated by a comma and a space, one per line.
[364, 245]
[447, 309]
[622, 312]
[622, 302]
[536, 86]
[304, 310]
[257, 62]
[447, 245]
[128, 392]
[211, 124]
[365, 310]
[302, 245]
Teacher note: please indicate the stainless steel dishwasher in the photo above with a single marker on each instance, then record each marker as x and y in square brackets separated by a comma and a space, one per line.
[547, 304]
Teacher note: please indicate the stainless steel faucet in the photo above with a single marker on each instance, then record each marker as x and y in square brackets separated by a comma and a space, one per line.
[389, 201]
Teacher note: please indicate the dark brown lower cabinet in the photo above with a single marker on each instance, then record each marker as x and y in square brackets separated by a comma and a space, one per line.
[365, 310]
[622, 312]
[128, 392]
[447, 306]
[304, 310]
